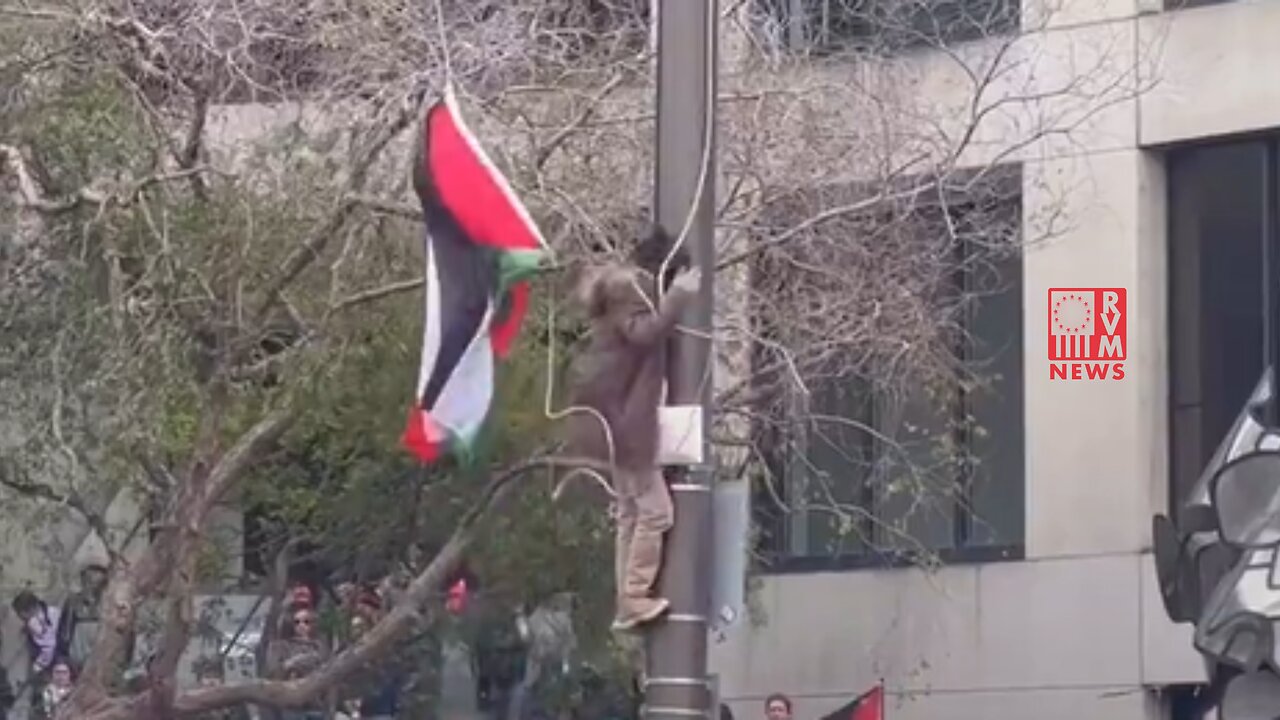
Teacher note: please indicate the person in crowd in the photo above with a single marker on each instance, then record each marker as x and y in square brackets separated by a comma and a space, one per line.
[40, 626]
[379, 689]
[777, 707]
[300, 598]
[459, 588]
[368, 604]
[347, 592]
[359, 626]
[58, 688]
[7, 696]
[350, 710]
[210, 672]
[298, 653]
[80, 615]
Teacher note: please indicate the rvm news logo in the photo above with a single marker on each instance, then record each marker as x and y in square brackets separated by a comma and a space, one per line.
[1088, 337]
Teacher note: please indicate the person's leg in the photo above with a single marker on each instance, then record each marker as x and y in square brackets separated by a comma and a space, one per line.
[626, 526]
[654, 516]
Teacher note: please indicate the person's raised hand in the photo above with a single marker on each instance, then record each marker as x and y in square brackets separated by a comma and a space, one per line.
[688, 281]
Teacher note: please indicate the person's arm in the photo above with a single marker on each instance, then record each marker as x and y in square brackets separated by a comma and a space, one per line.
[305, 659]
[642, 326]
[48, 702]
[273, 663]
[44, 633]
[7, 696]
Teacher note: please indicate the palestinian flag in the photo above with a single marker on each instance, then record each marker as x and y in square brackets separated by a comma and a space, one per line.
[480, 247]
[867, 706]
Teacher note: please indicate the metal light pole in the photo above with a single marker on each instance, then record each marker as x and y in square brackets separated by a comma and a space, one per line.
[676, 683]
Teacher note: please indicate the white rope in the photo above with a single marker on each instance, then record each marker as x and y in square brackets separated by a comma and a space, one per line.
[555, 415]
[444, 44]
[708, 132]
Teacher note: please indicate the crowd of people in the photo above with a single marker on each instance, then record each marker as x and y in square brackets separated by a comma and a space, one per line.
[59, 638]
[517, 661]
[303, 642]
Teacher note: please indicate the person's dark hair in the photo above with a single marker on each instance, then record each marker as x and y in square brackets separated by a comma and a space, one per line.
[725, 712]
[25, 602]
[651, 251]
[778, 697]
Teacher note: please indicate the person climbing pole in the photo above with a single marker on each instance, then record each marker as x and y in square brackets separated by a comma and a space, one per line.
[621, 380]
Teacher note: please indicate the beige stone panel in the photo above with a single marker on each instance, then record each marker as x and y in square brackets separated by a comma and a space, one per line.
[1214, 74]
[1065, 92]
[1089, 442]
[1168, 656]
[1047, 94]
[1068, 622]
[1097, 703]
[829, 632]
[1045, 14]
[1059, 623]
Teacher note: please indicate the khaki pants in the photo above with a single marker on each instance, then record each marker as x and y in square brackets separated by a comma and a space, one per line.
[645, 512]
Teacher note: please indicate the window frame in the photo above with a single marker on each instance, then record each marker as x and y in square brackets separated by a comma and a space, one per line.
[1172, 155]
[795, 20]
[780, 558]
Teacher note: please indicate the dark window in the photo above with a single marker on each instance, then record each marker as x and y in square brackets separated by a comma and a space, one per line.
[1184, 4]
[938, 473]
[887, 25]
[1221, 212]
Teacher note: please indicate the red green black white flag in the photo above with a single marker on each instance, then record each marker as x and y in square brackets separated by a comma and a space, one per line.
[867, 706]
[480, 247]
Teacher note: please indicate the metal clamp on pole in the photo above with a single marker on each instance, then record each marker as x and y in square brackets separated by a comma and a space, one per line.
[685, 617]
[689, 487]
[678, 681]
[661, 711]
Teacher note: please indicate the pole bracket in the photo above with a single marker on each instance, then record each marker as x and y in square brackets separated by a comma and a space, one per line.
[649, 712]
[678, 681]
[685, 618]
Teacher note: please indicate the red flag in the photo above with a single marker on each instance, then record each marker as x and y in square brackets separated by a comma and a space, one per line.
[867, 706]
[870, 706]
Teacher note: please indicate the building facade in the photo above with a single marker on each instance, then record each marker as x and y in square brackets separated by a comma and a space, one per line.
[1052, 611]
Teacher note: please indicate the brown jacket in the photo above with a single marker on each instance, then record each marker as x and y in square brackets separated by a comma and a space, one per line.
[621, 373]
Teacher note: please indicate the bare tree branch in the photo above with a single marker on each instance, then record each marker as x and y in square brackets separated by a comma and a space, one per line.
[10, 478]
[388, 207]
[179, 541]
[378, 293]
[408, 613]
[566, 132]
[304, 255]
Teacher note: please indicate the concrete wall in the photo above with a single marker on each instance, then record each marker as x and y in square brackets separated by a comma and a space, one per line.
[1077, 629]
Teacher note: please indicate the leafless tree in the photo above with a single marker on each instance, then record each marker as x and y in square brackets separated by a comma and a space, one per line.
[204, 207]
